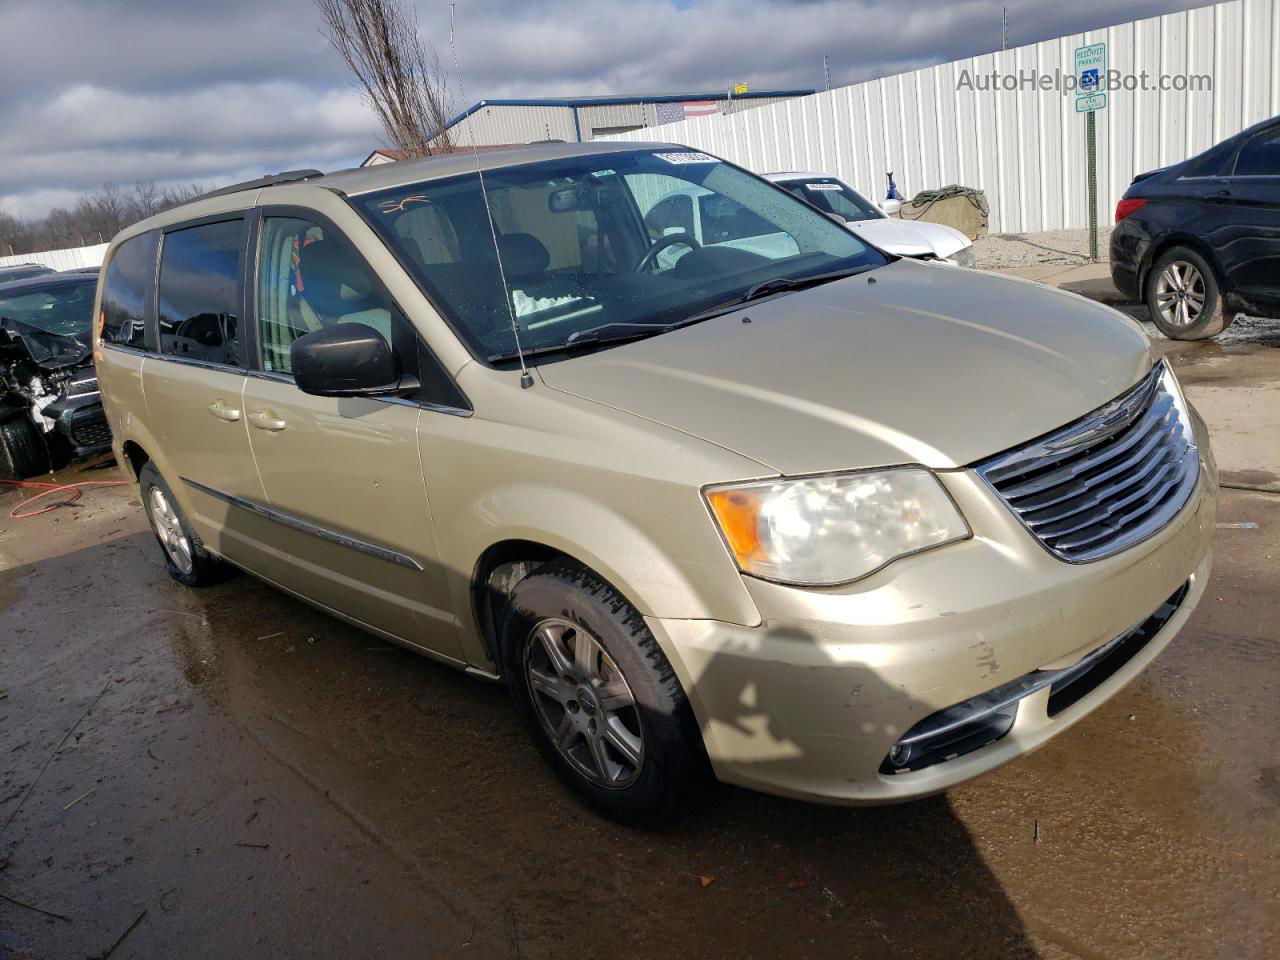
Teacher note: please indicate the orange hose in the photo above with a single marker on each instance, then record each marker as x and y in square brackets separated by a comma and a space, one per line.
[50, 489]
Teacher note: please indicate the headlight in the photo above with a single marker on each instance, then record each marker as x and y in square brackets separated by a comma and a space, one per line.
[963, 257]
[833, 529]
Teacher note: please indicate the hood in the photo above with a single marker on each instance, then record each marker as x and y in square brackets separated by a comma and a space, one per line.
[910, 238]
[51, 351]
[925, 365]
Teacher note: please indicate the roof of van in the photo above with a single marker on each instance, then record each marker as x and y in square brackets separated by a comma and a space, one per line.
[362, 180]
[386, 175]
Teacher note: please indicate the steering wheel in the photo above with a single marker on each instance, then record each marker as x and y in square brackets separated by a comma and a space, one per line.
[670, 240]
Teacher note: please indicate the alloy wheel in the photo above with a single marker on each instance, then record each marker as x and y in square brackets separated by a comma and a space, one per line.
[584, 703]
[1180, 293]
[168, 528]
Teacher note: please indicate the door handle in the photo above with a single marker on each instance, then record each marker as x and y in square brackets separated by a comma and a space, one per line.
[223, 412]
[266, 419]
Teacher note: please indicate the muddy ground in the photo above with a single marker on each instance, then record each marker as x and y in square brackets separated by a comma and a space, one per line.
[228, 773]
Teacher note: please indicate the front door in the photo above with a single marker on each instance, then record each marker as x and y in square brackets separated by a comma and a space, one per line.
[342, 477]
[1251, 257]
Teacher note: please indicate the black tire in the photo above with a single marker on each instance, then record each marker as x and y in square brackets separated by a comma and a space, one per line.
[206, 569]
[673, 760]
[23, 451]
[1212, 318]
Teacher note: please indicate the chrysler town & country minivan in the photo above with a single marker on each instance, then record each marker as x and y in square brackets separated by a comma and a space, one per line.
[820, 521]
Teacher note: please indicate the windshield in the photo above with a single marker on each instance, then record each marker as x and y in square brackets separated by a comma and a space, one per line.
[65, 309]
[617, 240]
[834, 196]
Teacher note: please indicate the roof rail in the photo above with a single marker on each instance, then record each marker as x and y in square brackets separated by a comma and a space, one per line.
[271, 180]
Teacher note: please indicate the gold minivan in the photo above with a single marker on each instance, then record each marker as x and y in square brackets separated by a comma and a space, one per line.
[744, 496]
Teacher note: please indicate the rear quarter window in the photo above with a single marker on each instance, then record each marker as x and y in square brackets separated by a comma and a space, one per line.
[1260, 156]
[125, 290]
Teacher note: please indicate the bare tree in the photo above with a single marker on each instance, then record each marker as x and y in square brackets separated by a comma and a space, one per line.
[146, 198]
[399, 74]
[94, 218]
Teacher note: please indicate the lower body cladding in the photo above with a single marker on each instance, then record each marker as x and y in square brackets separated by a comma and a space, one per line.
[940, 667]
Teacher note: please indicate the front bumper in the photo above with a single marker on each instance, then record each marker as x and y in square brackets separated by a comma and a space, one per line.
[82, 423]
[810, 703]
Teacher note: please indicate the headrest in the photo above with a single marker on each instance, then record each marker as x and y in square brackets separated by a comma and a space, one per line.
[523, 255]
[332, 283]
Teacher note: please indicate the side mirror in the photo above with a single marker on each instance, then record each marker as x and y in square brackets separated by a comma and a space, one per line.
[347, 360]
[890, 207]
[836, 217]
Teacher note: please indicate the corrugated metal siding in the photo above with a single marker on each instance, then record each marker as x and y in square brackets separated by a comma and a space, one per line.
[61, 259]
[1025, 148]
[505, 124]
[615, 115]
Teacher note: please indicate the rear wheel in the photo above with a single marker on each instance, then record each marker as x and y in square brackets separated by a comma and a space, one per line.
[185, 556]
[599, 696]
[1185, 297]
[23, 451]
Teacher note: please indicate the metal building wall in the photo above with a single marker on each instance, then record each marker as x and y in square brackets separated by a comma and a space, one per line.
[69, 259]
[523, 124]
[1025, 148]
[612, 115]
[504, 124]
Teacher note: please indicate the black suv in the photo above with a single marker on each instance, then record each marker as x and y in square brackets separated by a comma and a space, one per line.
[50, 410]
[1200, 241]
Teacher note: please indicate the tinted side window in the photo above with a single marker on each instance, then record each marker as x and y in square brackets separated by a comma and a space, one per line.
[1260, 157]
[126, 289]
[308, 280]
[200, 293]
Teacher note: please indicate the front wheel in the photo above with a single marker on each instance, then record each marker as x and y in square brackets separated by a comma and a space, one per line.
[185, 556]
[23, 451]
[599, 696]
[1185, 297]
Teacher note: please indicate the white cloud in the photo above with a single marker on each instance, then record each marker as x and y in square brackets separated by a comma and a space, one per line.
[187, 90]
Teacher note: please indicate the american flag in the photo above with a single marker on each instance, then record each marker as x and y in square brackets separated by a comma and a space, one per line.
[671, 112]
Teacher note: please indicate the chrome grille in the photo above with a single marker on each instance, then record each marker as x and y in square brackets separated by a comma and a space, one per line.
[1109, 480]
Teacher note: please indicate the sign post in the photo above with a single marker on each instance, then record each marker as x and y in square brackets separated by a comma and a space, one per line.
[1090, 72]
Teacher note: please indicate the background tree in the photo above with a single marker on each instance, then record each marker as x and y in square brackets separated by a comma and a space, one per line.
[399, 74]
[94, 218]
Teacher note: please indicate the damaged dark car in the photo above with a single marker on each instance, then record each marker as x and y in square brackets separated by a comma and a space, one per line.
[50, 410]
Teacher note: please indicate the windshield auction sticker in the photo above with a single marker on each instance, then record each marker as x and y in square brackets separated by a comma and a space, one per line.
[822, 186]
[687, 158]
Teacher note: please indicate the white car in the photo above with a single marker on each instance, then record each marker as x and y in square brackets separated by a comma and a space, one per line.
[872, 222]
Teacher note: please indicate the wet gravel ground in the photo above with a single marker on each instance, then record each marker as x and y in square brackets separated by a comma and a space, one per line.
[228, 773]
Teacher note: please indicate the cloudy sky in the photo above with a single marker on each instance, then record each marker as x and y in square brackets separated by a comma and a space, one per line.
[221, 90]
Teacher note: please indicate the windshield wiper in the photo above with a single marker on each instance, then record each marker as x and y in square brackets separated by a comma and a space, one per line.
[588, 338]
[592, 336]
[774, 285]
[592, 333]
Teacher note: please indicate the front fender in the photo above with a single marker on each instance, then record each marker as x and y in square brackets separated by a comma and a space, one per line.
[691, 579]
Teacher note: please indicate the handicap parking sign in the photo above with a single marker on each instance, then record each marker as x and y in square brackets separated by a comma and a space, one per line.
[1090, 69]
